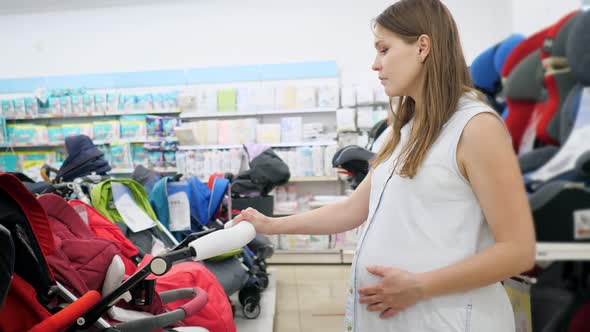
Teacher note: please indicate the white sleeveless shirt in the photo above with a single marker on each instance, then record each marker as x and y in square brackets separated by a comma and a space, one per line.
[422, 224]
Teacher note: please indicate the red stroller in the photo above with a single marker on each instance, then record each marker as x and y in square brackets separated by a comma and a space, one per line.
[35, 299]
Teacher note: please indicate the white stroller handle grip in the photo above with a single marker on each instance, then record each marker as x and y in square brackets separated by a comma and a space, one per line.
[222, 241]
[228, 224]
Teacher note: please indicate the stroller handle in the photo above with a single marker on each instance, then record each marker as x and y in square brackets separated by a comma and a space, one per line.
[223, 240]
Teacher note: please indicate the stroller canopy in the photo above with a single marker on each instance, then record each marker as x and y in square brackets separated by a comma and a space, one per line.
[83, 159]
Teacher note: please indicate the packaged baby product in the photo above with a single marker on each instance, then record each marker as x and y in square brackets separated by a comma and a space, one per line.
[154, 126]
[88, 105]
[100, 103]
[19, 107]
[31, 107]
[65, 103]
[77, 105]
[8, 109]
[121, 155]
[112, 103]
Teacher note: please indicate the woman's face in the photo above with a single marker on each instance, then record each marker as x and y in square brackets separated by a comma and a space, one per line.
[398, 64]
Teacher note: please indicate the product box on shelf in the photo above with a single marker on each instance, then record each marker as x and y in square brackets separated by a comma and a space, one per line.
[8, 109]
[121, 155]
[206, 100]
[265, 98]
[169, 159]
[55, 134]
[133, 127]
[171, 101]
[246, 130]
[108, 131]
[88, 105]
[139, 154]
[210, 132]
[304, 242]
[246, 99]
[112, 106]
[306, 97]
[226, 100]
[168, 124]
[71, 130]
[328, 96]
[286, 97]
[31, 107]
[65, 104]
[8, 162]
[54, 107]
[77, 105]
[144, 103]
[27, 134]
[155, 158]
[291, 129]
[100, 103]
[154, 126]
[18, 105]
[268, 133]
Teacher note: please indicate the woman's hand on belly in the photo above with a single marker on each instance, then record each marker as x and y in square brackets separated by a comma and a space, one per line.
[397, 290]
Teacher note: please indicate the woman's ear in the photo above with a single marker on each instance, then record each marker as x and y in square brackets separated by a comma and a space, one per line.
[423, 47]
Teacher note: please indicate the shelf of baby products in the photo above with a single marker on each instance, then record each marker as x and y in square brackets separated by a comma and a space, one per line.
[96, 142]
[127, 171]
[545, 252]
[347, 256]
[313, 179]
[306, 256]
[198, 115]
[239, 146]
[94, 115]
[563, 251]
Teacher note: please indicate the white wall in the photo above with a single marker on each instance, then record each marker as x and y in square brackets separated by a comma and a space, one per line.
[530, 16]
[217, 33]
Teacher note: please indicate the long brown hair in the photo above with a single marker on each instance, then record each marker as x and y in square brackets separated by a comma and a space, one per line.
[446, 79]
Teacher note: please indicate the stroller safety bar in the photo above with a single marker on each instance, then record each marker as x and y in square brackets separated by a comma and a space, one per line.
[166, 319]
[69, 314]
[210, 245]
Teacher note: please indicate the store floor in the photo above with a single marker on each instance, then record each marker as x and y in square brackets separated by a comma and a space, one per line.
[310, 298]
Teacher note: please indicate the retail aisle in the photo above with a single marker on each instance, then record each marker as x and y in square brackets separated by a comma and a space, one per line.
[310, 298]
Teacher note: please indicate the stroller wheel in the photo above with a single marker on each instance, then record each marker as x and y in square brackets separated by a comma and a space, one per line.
[249, 294]
[251, 310]
[263, 278]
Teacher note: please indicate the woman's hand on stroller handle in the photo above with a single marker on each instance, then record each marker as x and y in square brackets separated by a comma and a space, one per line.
[222, 241]
[263, 224]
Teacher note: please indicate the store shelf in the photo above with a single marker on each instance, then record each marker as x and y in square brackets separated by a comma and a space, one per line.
[563, 251]
[314, 179]
[237, 146]
[82, 116]
[347, 256]
[96, 142]
[545, 252]
[301, 256]
[123, 171]
[195, 115]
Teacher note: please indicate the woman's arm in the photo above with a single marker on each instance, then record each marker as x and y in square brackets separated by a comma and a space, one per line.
[487, 160]
[329, 219]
